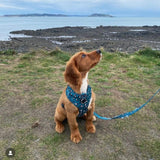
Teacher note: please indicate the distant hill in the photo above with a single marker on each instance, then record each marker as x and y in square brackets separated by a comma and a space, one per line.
[100, 15]
[57, 15]
[36, 15]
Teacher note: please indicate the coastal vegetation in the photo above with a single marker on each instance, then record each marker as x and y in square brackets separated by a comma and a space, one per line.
[30, 86]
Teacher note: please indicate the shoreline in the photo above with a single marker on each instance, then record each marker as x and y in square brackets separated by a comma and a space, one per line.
[71, 39]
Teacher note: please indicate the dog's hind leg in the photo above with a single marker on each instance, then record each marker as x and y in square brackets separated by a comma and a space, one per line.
[59, 118]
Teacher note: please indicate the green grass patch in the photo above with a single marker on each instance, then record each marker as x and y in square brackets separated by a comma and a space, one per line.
[38, 102]
[21, 145]
[59, 55]
[28, 56]
[52, 142]
[149, 52]
[149, 148]
[8, 52]
[103, 101]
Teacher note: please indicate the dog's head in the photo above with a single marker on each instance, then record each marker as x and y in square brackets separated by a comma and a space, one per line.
[79, 64]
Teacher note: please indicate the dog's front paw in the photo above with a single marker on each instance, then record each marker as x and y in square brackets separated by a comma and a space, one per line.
[91, 128]
[59, 128]
[94, 118]
[76, 138]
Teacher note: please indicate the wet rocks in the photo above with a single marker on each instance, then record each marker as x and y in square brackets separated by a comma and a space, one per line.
[71, 39]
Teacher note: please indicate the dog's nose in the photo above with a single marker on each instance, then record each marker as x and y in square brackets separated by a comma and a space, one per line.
[98, 51]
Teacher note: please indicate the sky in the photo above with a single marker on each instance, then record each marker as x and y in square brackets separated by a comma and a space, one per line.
[145, 8]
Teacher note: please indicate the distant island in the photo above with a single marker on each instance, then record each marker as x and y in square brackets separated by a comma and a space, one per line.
[36, 15]
[100, 15]
[57, 15]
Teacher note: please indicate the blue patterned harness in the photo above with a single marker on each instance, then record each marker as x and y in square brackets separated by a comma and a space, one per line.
[81, 101]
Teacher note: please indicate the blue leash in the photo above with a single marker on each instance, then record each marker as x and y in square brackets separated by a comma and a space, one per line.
[127, 114]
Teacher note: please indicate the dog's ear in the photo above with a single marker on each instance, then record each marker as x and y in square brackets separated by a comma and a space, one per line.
[71, 74]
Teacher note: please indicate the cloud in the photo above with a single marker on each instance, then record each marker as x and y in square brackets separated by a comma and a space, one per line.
[138, 4]
[10, 6]
[65, 6]
[115, 7]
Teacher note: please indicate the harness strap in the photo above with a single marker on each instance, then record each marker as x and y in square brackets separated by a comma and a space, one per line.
[81, 101]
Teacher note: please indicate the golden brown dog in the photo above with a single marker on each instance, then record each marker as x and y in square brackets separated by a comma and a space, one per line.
[76, 76]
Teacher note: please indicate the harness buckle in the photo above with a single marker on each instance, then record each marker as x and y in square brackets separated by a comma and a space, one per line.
[83, 100]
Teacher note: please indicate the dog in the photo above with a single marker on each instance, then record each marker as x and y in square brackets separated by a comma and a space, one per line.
[77, 99]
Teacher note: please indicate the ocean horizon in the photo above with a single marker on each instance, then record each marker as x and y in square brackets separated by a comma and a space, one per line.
[8, 24]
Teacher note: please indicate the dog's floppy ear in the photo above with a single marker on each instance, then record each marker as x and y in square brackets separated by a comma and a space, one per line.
[71, 74]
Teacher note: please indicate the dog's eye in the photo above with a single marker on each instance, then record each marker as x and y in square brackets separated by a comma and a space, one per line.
[83, 55]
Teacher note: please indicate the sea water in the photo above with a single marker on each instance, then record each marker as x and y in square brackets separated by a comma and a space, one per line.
[8, 24]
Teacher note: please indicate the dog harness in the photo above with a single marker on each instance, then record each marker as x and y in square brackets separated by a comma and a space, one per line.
[81, 101]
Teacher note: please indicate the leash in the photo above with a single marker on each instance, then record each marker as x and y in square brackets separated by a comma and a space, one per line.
[127, 114]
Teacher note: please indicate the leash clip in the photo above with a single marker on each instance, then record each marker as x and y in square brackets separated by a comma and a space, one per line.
[84, 99]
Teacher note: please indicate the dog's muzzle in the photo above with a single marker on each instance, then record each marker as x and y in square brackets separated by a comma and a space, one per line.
[98, 51]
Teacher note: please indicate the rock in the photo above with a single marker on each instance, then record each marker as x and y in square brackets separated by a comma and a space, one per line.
[112, 38]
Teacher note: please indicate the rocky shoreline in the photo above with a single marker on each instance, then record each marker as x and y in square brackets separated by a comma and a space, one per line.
[71, 39]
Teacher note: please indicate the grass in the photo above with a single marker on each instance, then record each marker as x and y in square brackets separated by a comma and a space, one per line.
[8, 52]
[30, 86]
